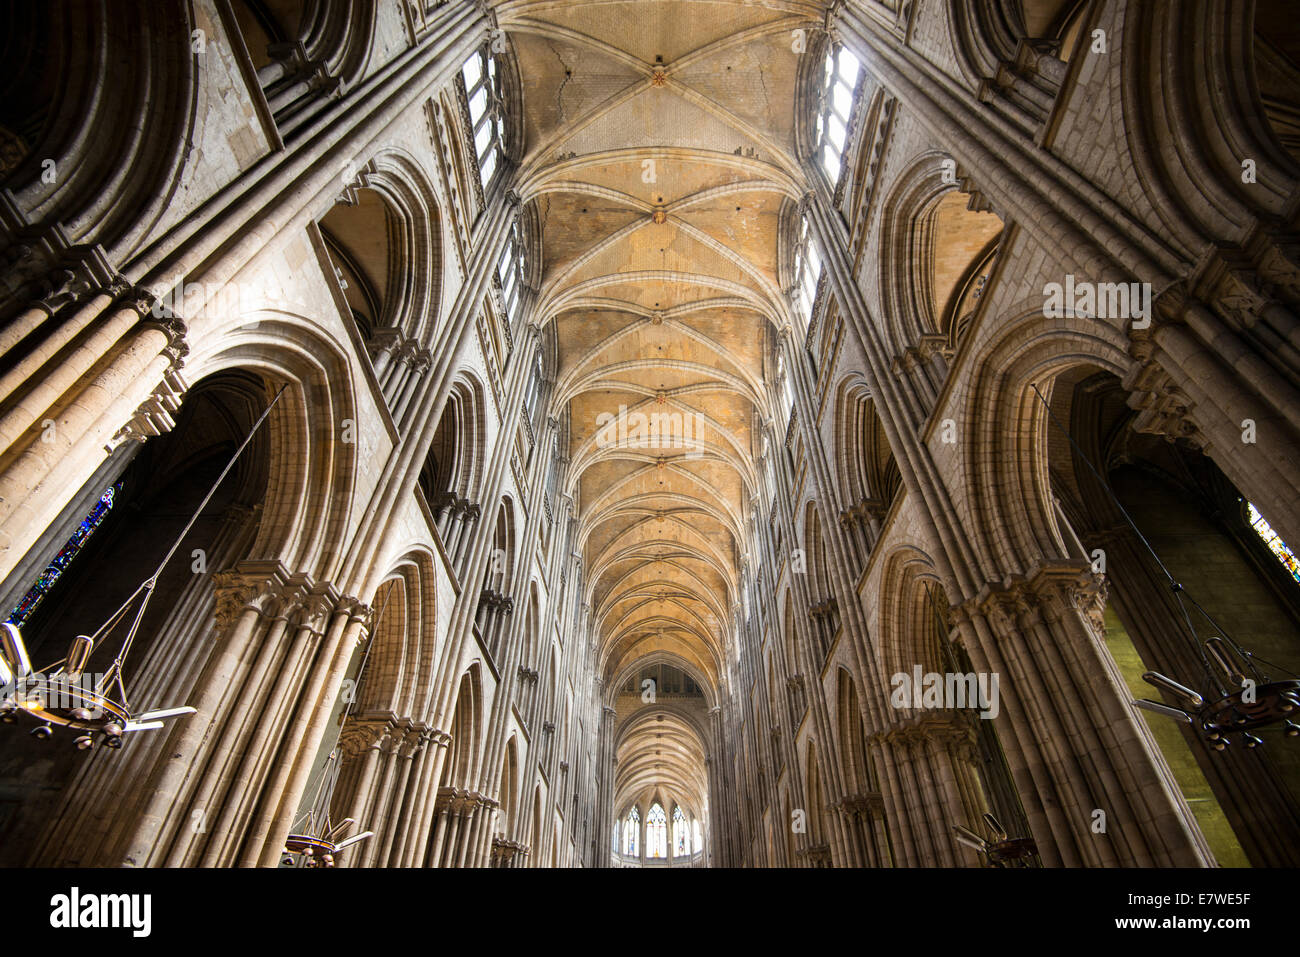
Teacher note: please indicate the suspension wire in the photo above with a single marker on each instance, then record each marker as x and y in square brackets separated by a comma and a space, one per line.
[147, 586]
[1174, 585]
[1173, 582]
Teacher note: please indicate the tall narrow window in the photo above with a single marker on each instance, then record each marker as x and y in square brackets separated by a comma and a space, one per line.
[699, 841]
[483, 94]
[1273, 540]
[681, 834]
[840, 82]
[656, 832]
[632, 832]
[808, 271]
[23, 610]
[510, 271]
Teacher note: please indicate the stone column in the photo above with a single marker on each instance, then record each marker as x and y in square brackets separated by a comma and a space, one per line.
[1069, 730]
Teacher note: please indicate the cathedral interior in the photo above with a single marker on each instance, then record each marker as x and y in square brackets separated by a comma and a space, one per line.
[650, 433]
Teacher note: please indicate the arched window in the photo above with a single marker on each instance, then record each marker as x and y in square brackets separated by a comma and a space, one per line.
[632, 832]
[510, 269]
[681, 834]
[699, 841]
[841, 80]
[656, 832]
[807, 270]
[483, 94]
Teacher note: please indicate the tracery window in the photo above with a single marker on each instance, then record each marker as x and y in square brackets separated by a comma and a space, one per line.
[699, 841]
[483, 93]
[1273, 540]
[840, 81]
[656, 832]
[59, 564]
[681, 834]
[632, 832]
[510, 270]
[807, 271]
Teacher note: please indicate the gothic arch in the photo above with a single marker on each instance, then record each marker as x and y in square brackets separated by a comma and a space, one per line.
[385, 240]
[986, 33]
[289, 40]
[403, 653]
[663, 656]
[466, 733]
[535, 832]
[158, 486]
[117, 164]
[1197, 522]
[859, 774]
[501, 571]
[905, 615]
[1013, 507]
[1188, 149]
[937, 253]
[868, 474]
[452, 475]
[1276, 68]
[285, 348]
[509, 790]
[819, 828]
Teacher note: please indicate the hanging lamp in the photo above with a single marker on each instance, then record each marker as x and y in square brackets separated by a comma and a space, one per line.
[1236, 697]
[1001, 851]
[60, 695]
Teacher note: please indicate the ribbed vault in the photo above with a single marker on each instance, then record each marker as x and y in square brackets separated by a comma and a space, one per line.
[660, 757]
[660, 155]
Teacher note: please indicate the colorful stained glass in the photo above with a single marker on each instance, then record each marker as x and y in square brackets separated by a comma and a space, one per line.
[23, 610]
[1273, 540]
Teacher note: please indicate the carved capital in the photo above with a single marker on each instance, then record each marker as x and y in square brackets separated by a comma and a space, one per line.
[155, 415]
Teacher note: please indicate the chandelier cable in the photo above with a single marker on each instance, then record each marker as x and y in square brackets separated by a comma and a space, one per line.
[1174, 585]
[114, 673]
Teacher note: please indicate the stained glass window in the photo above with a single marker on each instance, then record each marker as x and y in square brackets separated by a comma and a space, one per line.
[1273, 540]
[23, 610]
[656, 832]
[632, 832]
[681, 834]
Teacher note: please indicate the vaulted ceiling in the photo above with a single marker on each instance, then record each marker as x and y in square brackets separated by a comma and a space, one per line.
[659, 149]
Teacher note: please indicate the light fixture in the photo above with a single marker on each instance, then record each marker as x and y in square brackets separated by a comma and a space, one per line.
[1238, 698]
[1001, 851]
[60, 695]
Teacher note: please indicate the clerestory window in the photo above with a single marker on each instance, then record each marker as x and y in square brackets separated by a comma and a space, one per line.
[839, 85]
